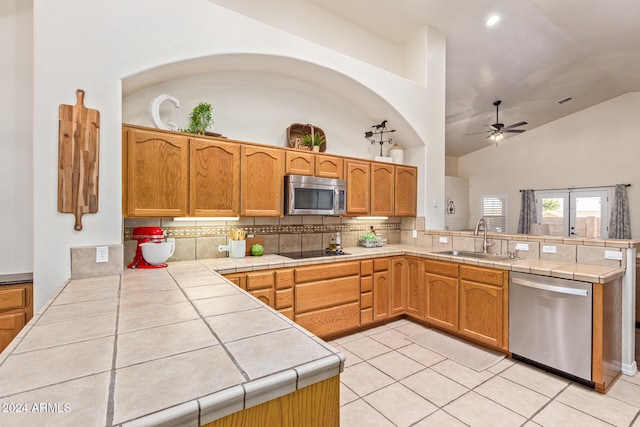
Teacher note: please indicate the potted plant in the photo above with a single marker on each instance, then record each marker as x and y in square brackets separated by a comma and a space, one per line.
[201, 118]
[314, 140]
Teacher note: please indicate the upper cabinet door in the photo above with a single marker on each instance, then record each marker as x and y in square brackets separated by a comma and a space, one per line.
[382, 183]
[406, 190]
[358, 186]
[262, 181]
[156, 183]
[299, 163]
[329, 166]
[214, 178]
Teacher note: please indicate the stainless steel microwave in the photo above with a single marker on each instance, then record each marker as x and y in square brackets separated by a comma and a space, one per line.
[309, 195]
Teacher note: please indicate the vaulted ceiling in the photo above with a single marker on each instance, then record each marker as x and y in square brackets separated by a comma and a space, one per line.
[540, 52]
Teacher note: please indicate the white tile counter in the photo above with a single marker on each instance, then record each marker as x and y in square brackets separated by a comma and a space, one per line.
[151, 346]
[180, 344]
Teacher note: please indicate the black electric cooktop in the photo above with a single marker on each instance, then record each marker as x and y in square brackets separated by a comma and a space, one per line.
[313, 254]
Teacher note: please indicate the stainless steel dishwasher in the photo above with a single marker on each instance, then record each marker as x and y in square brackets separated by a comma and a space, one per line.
[550, 324]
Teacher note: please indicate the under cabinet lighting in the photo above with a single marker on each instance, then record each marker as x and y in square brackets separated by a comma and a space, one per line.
[372, 218]
[207, 218]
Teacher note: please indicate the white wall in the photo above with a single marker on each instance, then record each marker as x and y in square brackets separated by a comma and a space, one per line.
[94, 44]
[596, 146]
[16, 135]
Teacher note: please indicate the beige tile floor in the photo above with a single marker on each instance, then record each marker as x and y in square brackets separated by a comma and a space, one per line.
[390, 381]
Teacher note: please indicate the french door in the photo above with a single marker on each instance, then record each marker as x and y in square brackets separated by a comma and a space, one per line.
[575, 213]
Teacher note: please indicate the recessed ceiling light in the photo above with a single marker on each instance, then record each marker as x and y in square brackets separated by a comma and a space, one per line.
[493, 20]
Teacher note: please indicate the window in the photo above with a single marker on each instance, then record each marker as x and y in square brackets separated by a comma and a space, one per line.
[581, 212]
[494, 210]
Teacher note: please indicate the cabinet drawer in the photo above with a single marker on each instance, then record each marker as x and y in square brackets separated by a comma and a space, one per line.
[330, 320]
[287, 312]
[366, 267]
[260, 280]
[366, 284]
[442, 268]
[380, 264]
[324, 272]
[366, 300]
[284, 279]
[13, 322]
[13, 298]
[284, 298]
[316, 295]
[483, 275]
[366, 316]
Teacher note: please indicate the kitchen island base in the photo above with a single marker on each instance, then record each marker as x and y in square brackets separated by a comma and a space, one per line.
[314, 405]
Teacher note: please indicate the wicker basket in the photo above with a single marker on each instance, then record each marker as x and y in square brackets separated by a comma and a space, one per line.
[297, 131]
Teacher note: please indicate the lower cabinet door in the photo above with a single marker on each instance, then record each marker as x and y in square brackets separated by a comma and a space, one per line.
[441, 301]
[330, 320]
[10, 326]
[481, 312]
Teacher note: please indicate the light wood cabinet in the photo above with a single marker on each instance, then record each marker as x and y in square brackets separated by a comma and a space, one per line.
[414, 273]
[381, 289]
[262, 181]
[382, 189]
[406, 190]
[300, 163]
[481, 304]
[329, 166]
[441, 294]
[358, 177]
[398, 297]
[366, 292]
[284, 292]
[260, 284]
[214, 178]
[327, 301]
[156, 174]
[407, 291]
[16, 309]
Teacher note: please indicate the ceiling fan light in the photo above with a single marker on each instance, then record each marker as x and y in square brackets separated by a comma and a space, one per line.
[493, 20]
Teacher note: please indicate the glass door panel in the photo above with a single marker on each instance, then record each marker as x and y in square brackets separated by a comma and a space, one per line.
[589, 214]
[553, 210]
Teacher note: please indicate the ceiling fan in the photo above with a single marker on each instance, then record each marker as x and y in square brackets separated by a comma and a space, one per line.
[498, 129]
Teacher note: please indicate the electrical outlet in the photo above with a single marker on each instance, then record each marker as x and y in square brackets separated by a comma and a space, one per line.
[102, 254]
[617, 255]
[548, 249]
[443, 239]
[522, 246]
[414, 234]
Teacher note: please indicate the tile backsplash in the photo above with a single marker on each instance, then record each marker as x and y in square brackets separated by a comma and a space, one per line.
[200, 239]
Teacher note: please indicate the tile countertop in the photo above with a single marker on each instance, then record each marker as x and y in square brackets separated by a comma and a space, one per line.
[564, 270]
[181, 344]
[16, 279]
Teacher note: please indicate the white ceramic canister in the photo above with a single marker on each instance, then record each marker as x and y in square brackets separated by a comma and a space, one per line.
[396, 153]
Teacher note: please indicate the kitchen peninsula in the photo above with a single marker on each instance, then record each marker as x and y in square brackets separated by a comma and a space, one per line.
[184, 344]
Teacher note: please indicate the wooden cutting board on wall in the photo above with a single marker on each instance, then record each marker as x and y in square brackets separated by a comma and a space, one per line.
[78, 151]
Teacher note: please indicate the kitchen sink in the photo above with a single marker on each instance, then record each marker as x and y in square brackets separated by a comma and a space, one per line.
[478, 255]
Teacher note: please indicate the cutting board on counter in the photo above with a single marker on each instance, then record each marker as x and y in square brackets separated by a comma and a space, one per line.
[252, 241]
[78, 151]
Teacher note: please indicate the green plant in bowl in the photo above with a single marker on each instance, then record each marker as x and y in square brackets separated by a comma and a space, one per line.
[318, 139]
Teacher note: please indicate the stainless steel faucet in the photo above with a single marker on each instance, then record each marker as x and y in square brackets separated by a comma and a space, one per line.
[485, 243]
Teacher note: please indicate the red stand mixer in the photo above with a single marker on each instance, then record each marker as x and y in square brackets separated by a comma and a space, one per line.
[144, 235]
